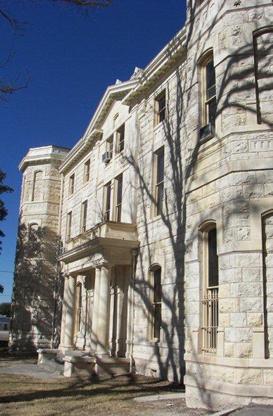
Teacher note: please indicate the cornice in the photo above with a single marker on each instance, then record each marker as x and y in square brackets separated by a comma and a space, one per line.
[93, 131]
[165, 60]
[129, 92]
[41, 155]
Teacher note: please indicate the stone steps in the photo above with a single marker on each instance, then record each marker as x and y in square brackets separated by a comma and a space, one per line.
[111, 366]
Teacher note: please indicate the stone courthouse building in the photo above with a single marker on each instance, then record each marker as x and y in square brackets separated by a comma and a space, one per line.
[163, 214]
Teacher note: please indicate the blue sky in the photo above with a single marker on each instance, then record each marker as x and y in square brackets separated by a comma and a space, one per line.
[67, 58]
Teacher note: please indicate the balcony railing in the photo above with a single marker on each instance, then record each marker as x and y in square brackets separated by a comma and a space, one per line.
[107, 229]
[210, 315]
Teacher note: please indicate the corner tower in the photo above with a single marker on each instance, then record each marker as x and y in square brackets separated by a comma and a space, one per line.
[37, 288]
[228, 278]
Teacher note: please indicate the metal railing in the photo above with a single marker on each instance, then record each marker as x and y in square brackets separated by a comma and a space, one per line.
[210, 320]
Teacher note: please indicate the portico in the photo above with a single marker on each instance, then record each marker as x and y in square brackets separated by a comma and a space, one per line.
[97, 275]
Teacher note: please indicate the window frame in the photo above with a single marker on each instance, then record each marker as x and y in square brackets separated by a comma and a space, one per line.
[68, 226]
[118, 197]
[120, 138]
[160, 113]
[156, 303]
[209, 300]
[107, 203]
[158, 187]
[110, 146]
[84, 208]
[71, 185]
[86, 172]
[207, 124]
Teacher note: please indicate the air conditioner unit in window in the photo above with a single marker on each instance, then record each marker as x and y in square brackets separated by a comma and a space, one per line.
[206, 132]
[106, 157]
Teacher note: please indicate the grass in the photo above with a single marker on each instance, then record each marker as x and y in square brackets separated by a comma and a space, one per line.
[27, 396]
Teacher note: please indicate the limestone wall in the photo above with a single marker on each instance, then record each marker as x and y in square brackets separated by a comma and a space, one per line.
[37, 290]
[230, 184]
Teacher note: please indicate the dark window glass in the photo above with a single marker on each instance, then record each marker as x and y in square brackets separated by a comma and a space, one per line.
[109, 146]
[160, 107]
[119, 198]
[120, 138]
[107, 190]
[87, 170]
[71, 184]
[213, 279]
[84, 215]
[157, 303]
[159, 180]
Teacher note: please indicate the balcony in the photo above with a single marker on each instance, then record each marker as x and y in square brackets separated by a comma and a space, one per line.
[107, 238]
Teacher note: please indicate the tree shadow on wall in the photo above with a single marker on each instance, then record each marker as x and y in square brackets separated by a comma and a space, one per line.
[180, 217]
[38, 289]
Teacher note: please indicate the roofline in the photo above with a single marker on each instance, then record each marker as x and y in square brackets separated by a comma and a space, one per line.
[32, 159]
[169, 54]
[93, 130]
[134, 87]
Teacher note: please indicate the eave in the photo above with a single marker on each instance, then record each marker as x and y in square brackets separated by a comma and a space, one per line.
[93, 131]
[168, 57]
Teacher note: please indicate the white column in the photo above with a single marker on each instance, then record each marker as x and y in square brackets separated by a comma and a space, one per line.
[103, 317]
[94, 331]
[68, 314]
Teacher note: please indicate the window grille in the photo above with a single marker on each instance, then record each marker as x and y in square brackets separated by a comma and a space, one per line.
[209, 301]
[210, 320]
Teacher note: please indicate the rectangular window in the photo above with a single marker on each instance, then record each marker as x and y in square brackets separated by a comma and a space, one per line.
[68, 225]
[118, 204]
[157, 300]
[87, 170]
[120, 136]
[107, 201]
[159, 180]
[160, 107]
[71, 184]
[210, 309]
[208, 97]
[109, 146]
[83, 216]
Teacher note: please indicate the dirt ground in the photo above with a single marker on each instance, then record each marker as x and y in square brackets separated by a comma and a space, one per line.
[32, 393]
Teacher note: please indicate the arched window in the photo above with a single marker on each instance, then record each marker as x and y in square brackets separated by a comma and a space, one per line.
[156, 300]
[263, 63]
[37, 190]
[207, 95]
[210, 284]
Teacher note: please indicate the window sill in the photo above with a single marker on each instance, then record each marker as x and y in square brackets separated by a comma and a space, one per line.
[206, 133]
[159, 125]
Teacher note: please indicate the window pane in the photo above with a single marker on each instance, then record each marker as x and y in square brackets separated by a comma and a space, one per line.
[157, 302]
[157, 285]
[210, 74]
[160, 195]
[213, 279]
[157, 320]
[121, 135]
[212, 111]
[107, 201]
[160, 165]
